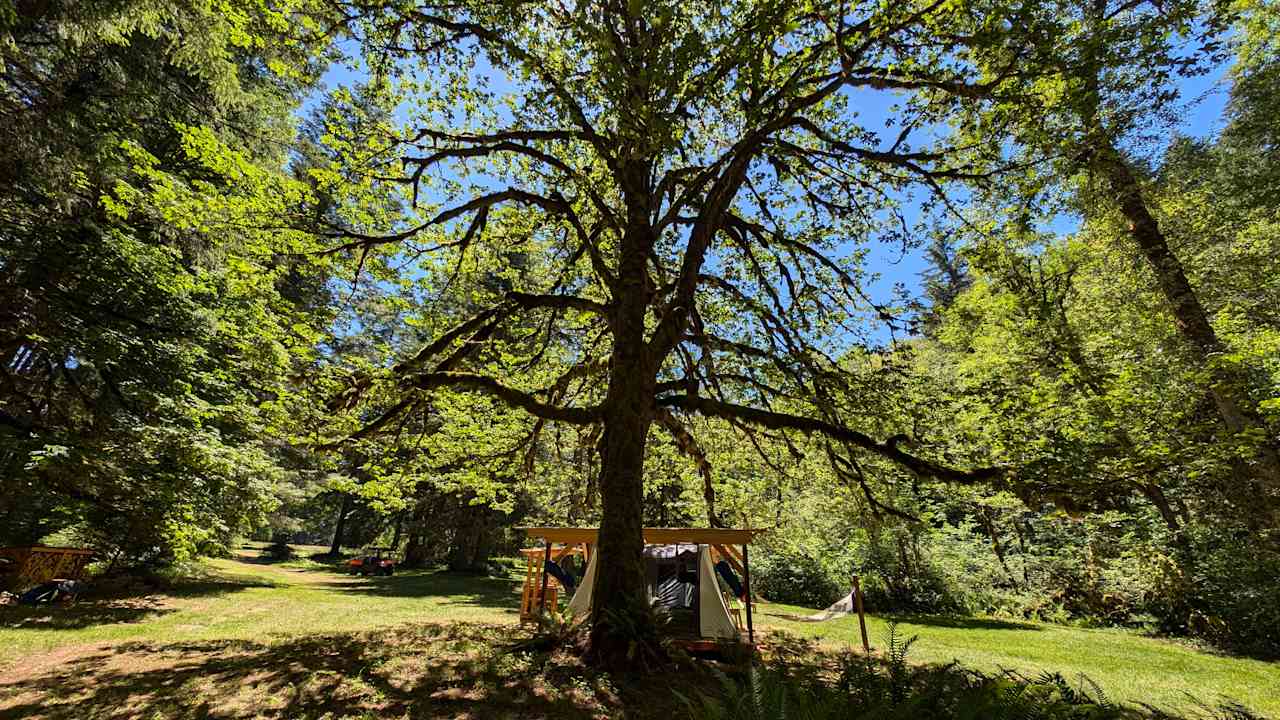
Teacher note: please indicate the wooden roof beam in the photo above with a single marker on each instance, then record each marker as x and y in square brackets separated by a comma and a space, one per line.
[652, 536]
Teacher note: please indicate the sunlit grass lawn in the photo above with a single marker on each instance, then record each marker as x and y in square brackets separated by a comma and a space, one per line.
[263, 602]
[250, 612]
[1126, 665]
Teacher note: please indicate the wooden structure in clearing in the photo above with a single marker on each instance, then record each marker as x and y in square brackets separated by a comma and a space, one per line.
[39, 564]
[533, 599]
[542, 591]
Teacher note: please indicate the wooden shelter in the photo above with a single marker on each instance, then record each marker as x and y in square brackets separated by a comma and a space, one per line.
[38, 564]
[700, 549]
[535, 597]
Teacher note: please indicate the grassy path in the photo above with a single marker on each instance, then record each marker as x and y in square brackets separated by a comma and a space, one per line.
[259, 635]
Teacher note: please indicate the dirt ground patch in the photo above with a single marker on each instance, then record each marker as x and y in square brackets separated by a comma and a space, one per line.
[453, 671]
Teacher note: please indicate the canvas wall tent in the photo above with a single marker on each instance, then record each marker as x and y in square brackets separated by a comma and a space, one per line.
[681, 573]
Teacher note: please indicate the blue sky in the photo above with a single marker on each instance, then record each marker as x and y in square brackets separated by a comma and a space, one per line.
[1204, 96]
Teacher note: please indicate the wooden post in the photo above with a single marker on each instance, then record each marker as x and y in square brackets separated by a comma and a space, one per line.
[746, 590]
[542, 597]
[862, 621]
[526, 593]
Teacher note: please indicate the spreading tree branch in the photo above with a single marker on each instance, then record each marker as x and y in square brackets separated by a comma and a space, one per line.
[775, 420]
[509, 395]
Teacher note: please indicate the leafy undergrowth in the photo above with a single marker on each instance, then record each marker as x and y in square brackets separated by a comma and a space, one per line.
[1130, 667]
[800, 682]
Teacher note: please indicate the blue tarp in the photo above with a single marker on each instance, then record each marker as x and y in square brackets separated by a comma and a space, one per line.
[560, 574]
[725, 571]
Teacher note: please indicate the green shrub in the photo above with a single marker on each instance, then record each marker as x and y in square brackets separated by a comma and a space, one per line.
[1222, 588]
[279, 549]
[942, 693]
[786, 575]
[896, 579]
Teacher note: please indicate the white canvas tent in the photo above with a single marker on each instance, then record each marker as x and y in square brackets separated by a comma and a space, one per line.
[714, 620]
[682, 577]
[580, 604]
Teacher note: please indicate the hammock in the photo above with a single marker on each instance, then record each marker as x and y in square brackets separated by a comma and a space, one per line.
[840, 608]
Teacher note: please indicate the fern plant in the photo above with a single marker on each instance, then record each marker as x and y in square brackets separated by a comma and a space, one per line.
[762, 695]
[890, 689]
[896, 651]
[861, 680]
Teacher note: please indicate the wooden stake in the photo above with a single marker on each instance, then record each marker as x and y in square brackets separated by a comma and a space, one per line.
[746, 578]
[862, 621]
[542, 599]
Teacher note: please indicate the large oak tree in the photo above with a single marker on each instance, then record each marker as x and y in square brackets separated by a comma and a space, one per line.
[700, 183]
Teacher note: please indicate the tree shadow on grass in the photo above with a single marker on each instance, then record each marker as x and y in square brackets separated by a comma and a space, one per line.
[435, 670]
[263, 559]
[963, 622]
[81, 615]
[216, 586]
[116, 605]
[450, 588]
[948, 621]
